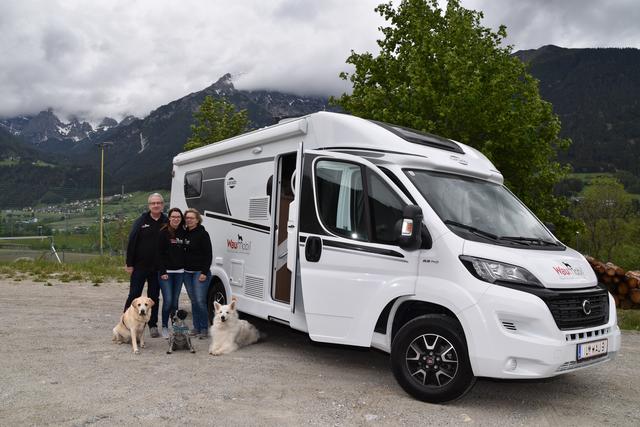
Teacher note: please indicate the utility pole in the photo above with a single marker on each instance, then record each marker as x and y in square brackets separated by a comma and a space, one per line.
[102, 146]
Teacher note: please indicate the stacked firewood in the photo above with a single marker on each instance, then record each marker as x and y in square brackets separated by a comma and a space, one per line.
[623, 285]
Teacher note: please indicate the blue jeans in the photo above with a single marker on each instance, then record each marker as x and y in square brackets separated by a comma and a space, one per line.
[136, 284]
[197, 291]
[170, 289]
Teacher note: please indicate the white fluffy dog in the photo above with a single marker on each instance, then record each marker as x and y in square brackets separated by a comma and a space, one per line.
[228, 332]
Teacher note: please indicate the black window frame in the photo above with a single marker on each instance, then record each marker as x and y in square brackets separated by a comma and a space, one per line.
[364, 172]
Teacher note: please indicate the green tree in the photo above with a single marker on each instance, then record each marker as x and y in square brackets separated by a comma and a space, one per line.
[216, 119]
[607, 212]
[440, 71]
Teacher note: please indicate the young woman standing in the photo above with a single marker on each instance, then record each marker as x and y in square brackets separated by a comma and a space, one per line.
[197, 273]
[171, 265]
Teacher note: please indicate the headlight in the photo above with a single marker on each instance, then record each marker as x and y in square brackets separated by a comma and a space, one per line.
[496, 272]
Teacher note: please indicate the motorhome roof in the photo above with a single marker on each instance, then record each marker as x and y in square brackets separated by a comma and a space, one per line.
[335, 131]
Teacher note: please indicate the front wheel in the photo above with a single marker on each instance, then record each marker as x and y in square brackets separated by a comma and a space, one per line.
[430, 360]
[216, 293]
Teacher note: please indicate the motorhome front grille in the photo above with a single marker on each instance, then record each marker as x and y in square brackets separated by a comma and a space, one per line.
[254, 286]
[575, 310]
[259, 208]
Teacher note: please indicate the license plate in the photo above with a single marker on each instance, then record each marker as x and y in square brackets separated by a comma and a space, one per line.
[592, 349]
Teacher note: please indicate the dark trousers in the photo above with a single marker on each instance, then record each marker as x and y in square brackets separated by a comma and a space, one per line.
[136, 284]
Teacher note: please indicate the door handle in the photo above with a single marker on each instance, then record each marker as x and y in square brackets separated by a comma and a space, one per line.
[313, 249]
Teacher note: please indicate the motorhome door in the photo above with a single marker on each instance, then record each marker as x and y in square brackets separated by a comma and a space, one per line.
[350, 262]
[292, 226]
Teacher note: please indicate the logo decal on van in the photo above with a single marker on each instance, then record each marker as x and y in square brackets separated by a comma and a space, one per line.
[238, 245]
[231, 182]
[564, 270]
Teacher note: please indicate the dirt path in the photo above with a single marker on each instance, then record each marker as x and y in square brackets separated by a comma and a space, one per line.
[59, 367]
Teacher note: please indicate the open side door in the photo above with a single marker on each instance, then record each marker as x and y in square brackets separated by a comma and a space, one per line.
[292, 226]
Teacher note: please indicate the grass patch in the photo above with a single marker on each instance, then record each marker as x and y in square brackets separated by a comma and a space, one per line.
[629, 320]
[96, 270]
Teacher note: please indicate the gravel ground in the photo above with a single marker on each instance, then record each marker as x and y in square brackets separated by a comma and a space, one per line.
[60, 367]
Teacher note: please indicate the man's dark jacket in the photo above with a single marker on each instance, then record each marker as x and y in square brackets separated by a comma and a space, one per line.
[144, 241]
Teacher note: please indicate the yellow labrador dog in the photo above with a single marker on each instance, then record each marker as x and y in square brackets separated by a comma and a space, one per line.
[132, 323]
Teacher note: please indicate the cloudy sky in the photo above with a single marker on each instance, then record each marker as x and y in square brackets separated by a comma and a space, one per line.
[111, 58]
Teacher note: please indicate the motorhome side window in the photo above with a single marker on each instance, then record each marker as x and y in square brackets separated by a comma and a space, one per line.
[193, 184]
[343, 208]
[340, 198]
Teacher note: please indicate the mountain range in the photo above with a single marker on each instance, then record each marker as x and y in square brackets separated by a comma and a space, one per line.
[139, 153]
[595, 93]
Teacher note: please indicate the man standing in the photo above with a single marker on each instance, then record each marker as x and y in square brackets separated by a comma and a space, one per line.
[142, 253]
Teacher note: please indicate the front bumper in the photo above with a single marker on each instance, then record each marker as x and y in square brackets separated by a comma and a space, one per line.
[512, 334]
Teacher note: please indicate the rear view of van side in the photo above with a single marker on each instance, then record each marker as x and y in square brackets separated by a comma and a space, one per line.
[369, 234]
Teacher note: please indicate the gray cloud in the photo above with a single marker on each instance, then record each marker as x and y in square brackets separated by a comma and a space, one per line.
[566, 23]
[119, 57]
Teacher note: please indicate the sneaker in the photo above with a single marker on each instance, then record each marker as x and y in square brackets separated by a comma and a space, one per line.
[165, 332]
[193, 333]
[153, 331]
[203, 335]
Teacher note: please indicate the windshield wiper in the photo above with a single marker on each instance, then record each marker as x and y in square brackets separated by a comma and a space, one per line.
[528, 240]
[472, 229]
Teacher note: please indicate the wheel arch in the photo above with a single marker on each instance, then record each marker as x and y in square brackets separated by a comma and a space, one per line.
[408, 309]
[219, 274]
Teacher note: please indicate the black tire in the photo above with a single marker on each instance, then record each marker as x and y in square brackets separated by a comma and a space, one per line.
[430, 360]
[216, 293]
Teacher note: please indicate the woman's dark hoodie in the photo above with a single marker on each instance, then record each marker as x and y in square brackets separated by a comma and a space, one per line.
[198, 254]
[172, 249]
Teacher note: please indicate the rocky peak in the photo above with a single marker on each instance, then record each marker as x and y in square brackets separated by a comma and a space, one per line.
[107, 123]
[222, 87]
[127, 120]
[43, 126]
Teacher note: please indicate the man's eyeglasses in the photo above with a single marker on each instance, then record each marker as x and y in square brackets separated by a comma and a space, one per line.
[156, 203]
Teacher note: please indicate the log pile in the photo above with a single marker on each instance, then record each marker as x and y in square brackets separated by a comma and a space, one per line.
[623, 285]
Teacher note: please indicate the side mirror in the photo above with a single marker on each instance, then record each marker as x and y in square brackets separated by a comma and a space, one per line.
[410, 233]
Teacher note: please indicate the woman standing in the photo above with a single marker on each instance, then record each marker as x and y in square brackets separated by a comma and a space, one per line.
[197, 273]
[171, 265]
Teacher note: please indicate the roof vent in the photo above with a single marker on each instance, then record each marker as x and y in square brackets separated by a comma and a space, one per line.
[422, 138]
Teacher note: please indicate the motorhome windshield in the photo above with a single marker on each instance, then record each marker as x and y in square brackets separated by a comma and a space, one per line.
[481, 210]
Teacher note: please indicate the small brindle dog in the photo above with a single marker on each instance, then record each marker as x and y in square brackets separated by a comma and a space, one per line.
[179, 337]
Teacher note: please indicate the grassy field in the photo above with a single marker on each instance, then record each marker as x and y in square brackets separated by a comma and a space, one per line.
[587, 178]
[629, 320]
[93, 269]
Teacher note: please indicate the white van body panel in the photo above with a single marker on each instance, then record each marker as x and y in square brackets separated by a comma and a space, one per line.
[359, 291]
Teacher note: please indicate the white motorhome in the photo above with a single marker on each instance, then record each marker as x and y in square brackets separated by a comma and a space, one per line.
[369, 234]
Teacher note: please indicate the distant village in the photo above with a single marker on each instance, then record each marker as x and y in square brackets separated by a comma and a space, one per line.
[31, 216]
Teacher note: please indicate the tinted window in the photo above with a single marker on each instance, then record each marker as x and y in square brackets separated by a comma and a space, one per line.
[386, 210]
[193, 184]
